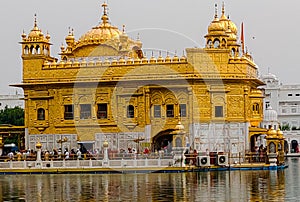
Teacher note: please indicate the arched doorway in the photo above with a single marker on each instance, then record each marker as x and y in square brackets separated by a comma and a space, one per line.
[163, 140]
[253, 142]
[294, 146]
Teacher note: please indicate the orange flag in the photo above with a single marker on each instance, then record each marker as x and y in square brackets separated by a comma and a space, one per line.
[242, 38]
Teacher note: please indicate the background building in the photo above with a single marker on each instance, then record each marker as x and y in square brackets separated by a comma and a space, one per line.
[285, 100]
[11, 101]
[104, 89]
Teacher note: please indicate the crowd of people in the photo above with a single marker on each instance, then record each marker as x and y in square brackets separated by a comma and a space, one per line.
[55, 154]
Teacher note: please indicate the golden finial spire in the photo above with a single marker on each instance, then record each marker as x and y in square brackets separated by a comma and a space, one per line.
[223, 8]
[123, 28]
[104, 16]
[216, 11]
[35, 21]
[223, 16]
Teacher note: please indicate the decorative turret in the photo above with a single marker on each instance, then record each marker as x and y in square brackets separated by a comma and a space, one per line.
[222, 33]
[35, 44]
[70, 39]
[35, 50]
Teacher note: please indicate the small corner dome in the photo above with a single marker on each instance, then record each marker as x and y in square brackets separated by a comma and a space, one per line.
[216, 26]
[35, 33]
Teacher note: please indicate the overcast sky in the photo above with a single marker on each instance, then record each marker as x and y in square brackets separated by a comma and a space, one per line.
[271, 28]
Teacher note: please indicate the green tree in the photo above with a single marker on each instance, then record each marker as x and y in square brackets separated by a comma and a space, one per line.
[13, 116]
[285, 127]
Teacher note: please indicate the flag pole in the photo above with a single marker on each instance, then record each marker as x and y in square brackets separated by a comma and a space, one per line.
[242, 39]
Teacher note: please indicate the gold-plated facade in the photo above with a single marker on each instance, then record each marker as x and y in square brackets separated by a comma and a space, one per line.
[105, 90]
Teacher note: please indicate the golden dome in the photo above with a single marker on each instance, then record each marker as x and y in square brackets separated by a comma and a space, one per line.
[272, 133]
[179, 126]
[232, 26]
[215, 25]
[70, 36]
[160, 58]
[280, 134]
[35, 32]
[103, 32]
[256, 92]
[152, 59]
[227, 24]
[232, 37]
[175, 58]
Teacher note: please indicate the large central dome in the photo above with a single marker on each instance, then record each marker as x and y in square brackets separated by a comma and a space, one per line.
[102, 40]
[103, 32]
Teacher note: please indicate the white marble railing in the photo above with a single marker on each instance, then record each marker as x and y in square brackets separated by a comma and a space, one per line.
[121, 163]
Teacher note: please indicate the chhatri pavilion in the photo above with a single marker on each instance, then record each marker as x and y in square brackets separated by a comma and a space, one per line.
[104, 88]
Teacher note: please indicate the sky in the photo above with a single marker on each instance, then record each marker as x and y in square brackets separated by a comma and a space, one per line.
[271, 28]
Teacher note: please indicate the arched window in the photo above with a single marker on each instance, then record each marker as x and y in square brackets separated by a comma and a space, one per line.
[41, 114]
[46, 51]
[31, 49]
[26, 50]
[130, 111]
[223, 43]
[216, 43]
[37, 50]
[232, 52]
[255, 108]
[209, 43]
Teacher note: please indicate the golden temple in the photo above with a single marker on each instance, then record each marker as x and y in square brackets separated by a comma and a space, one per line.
[103, 88]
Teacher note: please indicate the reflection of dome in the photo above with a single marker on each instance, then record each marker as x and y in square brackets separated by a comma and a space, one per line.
[103, 32]
[270, 114]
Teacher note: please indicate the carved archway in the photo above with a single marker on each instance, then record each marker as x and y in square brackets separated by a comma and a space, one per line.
[163, 140]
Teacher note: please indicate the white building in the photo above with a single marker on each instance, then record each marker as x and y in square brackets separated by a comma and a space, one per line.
[285, 100]
[11, 101]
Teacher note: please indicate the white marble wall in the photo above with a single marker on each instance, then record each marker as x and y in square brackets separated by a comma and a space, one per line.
[220, 137]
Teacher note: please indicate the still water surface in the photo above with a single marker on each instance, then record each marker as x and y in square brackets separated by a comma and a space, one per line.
[231, 186]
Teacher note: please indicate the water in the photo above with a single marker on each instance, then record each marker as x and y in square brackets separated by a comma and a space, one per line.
[226, 186]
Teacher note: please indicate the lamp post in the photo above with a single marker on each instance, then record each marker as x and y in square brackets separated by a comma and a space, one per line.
[39, 154]
[105, 157]
[178, 147]
[61, 141]
[138, 140]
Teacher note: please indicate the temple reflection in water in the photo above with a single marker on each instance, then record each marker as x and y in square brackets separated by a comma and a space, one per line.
[202, 186]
